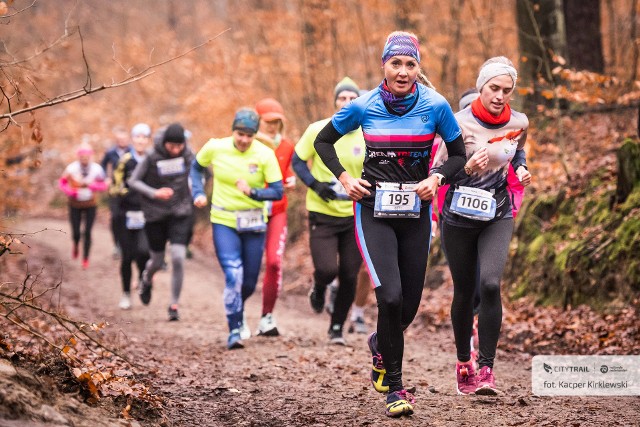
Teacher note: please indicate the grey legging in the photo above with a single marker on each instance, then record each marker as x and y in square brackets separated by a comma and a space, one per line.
[479, 251]
[178, 254]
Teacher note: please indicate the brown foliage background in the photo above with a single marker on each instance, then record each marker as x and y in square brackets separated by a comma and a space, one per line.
[293, 50]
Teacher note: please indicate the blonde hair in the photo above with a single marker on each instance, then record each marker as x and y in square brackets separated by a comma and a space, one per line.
[422, 78]
[498, 60]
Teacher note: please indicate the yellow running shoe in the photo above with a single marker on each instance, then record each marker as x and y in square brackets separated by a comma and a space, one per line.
[399, 403]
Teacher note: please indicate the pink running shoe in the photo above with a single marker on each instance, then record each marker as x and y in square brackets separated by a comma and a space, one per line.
[486, 382]
[466, 378]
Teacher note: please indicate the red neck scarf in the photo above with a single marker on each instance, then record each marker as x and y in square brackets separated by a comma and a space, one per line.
[484, 115]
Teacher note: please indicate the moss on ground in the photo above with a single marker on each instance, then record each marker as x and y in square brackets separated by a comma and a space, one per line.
[580, 248]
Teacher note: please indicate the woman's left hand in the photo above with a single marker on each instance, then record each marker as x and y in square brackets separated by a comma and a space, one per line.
[355, 187]
[242, 185]
[427, 188]
[523, 175]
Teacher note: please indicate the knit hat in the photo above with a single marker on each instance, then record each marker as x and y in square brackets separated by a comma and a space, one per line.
[498, 66]
[84, 149]
[142, 129]
[247, 120]
[345, 84]
[269, 110]
[174, 133]
[467, 98]
[401, 43]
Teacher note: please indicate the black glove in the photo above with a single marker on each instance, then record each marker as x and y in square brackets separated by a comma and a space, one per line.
[324, 190]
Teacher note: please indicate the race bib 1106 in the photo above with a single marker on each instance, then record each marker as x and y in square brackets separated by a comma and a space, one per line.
[473, 203]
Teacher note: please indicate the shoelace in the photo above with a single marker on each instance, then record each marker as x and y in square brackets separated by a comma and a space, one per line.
[486, 375]
[464, 373]
[378, 361]
[405, 395]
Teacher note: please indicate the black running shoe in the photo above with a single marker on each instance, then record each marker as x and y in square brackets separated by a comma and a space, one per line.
[173, 313]
[316, 298]
[145, 288]
[335, 335]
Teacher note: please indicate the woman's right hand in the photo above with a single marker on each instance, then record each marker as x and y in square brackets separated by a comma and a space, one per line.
[164, 193]
[200, 201]
[479, 160]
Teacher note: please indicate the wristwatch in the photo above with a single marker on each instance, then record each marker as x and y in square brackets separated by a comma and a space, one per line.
[468, 170]
[252, 193]
[440, 178]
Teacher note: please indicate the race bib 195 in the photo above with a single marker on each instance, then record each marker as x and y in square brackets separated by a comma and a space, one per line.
[396, 200]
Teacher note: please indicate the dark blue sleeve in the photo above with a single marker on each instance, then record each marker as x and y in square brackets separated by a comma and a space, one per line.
[273, 191]
[196, 173]
[302, 170]
[519, 159]
[105, 161]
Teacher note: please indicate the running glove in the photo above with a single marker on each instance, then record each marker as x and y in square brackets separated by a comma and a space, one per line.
[324, 190]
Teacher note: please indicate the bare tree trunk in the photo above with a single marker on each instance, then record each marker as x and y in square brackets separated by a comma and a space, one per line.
[315, 50]
[172, 20]
[634, 41]
[613, 60]
[455, 7]
[584, 38]
[403, 19]
[366, 60]
[480, 25]
[542, 33]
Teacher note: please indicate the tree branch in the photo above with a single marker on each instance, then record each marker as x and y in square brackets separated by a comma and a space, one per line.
[20, 11]
[87, 90]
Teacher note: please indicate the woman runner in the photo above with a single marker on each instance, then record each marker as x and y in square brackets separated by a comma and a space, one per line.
[399, 120]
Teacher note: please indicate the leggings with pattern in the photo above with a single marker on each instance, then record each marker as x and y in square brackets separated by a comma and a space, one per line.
[240, 256]
[395, 251]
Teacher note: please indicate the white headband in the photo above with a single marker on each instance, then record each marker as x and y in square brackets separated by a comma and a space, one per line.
[494, 69]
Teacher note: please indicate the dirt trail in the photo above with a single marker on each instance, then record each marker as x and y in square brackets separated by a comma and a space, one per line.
[296, 379]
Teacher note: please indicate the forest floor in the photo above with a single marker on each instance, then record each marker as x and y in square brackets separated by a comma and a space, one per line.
[297, 379]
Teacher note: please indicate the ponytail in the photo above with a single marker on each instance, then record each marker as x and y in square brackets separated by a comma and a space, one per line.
[422, 78]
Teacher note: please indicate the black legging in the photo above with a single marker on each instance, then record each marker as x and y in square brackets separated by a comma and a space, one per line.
[471, 252]
[335, 254]
[75, 217]
[396, 252]
[134, 247]
[114, 209]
